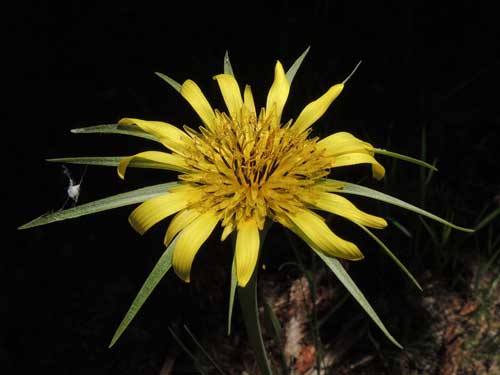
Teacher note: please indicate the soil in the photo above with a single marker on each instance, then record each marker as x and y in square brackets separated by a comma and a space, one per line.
[458, 335]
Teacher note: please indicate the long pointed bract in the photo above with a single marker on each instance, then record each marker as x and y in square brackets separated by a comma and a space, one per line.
[351, 286]
[115, 201]
[355, 189]
[159, 270]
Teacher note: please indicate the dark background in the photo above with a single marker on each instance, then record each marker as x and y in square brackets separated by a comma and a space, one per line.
[75, 64]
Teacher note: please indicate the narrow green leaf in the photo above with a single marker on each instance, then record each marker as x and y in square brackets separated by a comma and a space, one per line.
[405, 158]
[272, 321]
[423, 149]
[430, 173]
[351, 286]
[491, 216]
[431, 232]
[273, 325]
[115, 201]
[159, 270]
[228, 69]
[290, 74]
[202, 349]
[491, 261]
[232, 291]
[391, 255]
[493, 288]
[334, 309]
[134, 131]
[176, 85]
[446, 233]
[110, 161]
[355, 189]
[196, 363]
[400, 226]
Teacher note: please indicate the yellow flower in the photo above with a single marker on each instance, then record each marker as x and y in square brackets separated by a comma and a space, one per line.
[243, 166]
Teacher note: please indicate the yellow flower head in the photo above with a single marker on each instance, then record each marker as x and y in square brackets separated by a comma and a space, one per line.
[243, 166]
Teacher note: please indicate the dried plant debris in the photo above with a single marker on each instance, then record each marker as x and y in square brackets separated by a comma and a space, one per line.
[463, 337]
[460, 332]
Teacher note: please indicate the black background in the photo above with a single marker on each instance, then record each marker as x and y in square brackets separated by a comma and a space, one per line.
[76, 64]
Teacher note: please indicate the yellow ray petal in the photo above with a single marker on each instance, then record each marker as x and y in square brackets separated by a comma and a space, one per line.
[166, 161]
[228, 229]
[158, 208]
[278, 93]
[169, 135]
[179, 222]
[343, 143]
[247, 250]
[359, 158]
[343, 207]
[193, 94]
[231, 94]
[190, 241]
[332, 185]
[313, 230]
[314, 110]
[248, 100]
[159, 129]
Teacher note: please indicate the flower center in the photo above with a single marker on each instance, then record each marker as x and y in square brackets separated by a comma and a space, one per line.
[249, 168]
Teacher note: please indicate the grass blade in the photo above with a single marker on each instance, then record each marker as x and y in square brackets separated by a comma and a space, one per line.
[491, 216]
[274, 326]
[400, 226]
[431, 232]
[196, 363]
[334, 309]
[207, 356]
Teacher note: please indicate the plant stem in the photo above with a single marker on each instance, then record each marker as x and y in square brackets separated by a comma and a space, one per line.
[250, 310]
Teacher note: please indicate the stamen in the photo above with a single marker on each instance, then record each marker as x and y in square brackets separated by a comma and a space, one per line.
[254, 169]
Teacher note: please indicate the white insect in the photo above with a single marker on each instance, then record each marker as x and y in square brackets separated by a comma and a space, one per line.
[73, 189]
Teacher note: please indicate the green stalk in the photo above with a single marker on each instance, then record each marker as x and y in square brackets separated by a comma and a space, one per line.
[250, 310]
[249, 307]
